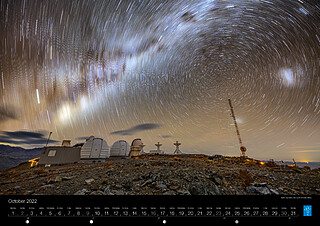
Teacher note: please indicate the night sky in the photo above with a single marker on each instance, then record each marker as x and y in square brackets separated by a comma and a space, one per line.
[163, 71]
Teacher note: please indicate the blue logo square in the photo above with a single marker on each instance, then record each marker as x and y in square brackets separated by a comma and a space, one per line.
[307, 210]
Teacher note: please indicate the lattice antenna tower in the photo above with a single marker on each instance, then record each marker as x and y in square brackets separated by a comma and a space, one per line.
[243, 149]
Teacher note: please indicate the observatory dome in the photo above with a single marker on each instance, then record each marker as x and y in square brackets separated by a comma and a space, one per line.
[120, 148]
[136, 142]
[95, 149]
[136, 147]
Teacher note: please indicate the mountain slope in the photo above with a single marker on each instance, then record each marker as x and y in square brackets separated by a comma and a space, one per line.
[13, 156]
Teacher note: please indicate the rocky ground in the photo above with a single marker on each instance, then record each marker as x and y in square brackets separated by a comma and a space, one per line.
[163, 175]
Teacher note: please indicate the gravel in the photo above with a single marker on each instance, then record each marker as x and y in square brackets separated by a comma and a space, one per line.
[163, 175]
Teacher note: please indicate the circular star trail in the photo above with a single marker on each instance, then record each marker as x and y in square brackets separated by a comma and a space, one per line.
[163, 71]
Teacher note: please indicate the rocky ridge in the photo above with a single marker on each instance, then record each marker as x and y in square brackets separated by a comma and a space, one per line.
[163, 175]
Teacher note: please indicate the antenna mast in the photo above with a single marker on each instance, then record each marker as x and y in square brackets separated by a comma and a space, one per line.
[48, 139]
[242, 148]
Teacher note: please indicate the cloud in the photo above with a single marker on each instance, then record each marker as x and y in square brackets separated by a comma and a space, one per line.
[82, 138]
[25, 138]
[23, 134]
[165, 136]
[7, 113]
[137, 128]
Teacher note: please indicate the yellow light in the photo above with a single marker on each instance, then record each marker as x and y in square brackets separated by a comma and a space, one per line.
[34, 162]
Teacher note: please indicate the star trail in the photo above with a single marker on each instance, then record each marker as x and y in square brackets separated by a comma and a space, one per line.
[163, 71]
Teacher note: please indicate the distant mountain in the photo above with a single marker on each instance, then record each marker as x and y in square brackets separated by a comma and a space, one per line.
[13, 156]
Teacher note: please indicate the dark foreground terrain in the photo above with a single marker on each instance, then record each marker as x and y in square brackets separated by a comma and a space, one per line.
[162, 175]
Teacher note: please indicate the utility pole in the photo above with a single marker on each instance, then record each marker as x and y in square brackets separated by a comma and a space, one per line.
[242, 148]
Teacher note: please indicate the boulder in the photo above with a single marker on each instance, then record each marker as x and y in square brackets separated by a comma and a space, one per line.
[246, 177]
[274, 192]
[170, 192]
[97, 193]
[57, 179]
[66, 178]
[216, 178]
[82, 192]
[149, 181]
[89, 181]
[204, 189]
[161, 186]
[183, 192]
[262, 190]
[107, 191]
[29, 192]
[46, 186]
[17, 189]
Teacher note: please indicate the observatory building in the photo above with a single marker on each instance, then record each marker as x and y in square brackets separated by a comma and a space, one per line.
[120, 148]
[64, 154]
[136, 147]
[94, 150]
